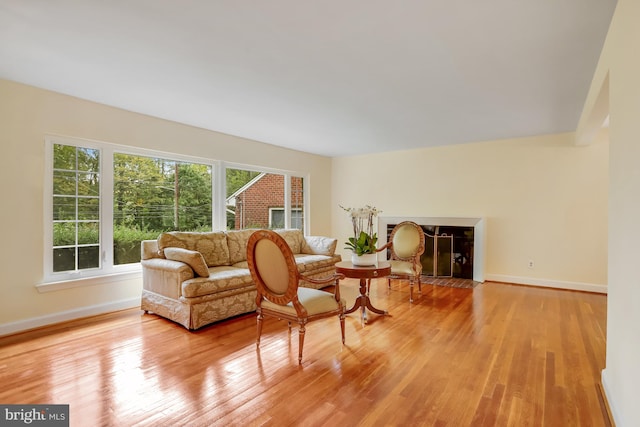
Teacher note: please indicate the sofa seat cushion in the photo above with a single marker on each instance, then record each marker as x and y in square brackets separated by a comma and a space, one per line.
[246, 289]
[314, 262]
[212, 245]
[220, 279]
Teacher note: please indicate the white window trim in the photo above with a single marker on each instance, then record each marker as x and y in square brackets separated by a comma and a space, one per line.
[90, 281]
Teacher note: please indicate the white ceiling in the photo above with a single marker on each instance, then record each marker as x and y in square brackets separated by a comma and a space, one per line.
[331, 77]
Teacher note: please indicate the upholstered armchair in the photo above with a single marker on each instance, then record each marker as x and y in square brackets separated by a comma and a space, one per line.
[274, 271]
[406, 244]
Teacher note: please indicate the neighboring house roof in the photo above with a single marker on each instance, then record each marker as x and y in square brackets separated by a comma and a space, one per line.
[231, 200]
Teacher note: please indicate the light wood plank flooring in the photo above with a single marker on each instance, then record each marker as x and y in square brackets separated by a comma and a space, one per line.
[496, 355]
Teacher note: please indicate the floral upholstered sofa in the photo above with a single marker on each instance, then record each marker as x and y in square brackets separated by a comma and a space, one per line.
[196, 279]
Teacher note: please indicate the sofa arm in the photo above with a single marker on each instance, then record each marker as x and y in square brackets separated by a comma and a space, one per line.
[320, 245]
[149, 249]
[164, 276]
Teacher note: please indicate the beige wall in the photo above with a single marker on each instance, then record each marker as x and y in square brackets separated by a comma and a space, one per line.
[26, 115]
[544, 199]
[616, 85]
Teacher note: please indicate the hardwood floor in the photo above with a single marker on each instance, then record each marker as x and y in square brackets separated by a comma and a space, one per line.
[495, 355]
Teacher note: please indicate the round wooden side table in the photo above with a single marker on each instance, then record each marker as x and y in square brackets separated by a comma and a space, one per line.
[364, 273]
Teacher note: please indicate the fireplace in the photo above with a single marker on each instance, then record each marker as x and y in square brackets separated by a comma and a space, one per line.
[448, 251]
[454, 247]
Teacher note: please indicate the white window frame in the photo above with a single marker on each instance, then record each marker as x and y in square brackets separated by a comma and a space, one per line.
[107, 271]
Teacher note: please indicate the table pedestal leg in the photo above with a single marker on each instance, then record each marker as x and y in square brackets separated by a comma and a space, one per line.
[363, 301]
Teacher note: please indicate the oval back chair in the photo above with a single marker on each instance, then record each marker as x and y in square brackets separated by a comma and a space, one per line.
[274, 271]
[406, 244]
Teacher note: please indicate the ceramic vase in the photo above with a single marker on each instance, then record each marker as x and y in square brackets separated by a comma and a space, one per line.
[364, 260]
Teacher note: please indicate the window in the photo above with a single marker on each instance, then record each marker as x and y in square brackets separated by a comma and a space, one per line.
[297, 202]
[105, 199]
[76, 208]
[276, 218]
[257, 200]
[102, 200]
[152, 195]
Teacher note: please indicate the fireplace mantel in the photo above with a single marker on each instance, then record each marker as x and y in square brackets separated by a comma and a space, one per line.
[478, 224]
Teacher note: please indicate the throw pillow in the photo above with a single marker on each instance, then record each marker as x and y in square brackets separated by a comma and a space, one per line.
[194, 259]
[320, 245]
[212, 245]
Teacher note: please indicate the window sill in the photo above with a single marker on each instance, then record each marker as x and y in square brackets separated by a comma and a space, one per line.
[87, 281]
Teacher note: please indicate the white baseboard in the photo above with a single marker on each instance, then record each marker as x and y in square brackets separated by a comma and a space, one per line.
[559, 284]
[609, 397]
[78, 313]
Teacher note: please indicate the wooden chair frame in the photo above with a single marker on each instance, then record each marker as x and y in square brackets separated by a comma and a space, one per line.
[290, 295]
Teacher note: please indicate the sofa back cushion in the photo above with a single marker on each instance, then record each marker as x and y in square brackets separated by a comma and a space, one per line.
[294, 238]
[237, 241]
[212, 245]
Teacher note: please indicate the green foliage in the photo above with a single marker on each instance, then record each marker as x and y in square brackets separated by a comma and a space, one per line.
[71, 158]
[195, 202]
[126, 243]
[123, 234]
[64, 233]
[365, 244]
[147, 196]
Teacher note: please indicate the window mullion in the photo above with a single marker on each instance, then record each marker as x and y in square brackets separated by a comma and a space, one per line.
[75, 222]
[287, 200]
[218, 195]
[106, 208]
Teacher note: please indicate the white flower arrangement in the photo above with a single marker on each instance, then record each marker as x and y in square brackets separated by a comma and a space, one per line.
[364, 239]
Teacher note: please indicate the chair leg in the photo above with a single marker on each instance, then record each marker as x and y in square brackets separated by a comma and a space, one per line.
[411, 290]
[259, 329]
[419, 285]
[388, 283]
[301, 341]
[342, 326]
